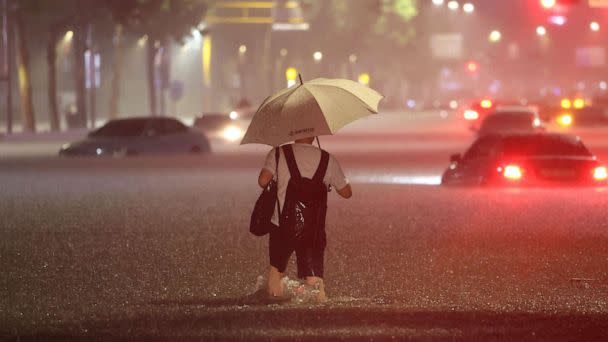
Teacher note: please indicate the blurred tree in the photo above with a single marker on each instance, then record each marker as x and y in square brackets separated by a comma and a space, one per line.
[159, 21]
[116, 70]
[53, 19]
[23, 70]
[371, 26]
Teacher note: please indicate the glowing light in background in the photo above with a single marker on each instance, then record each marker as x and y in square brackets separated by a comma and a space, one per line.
[141, 42]
[548, 3]
[317, 56]
[453, 5]
[68, 36]
[541, 31]
[468, 7]
[290, 75]
[495, 36]
[565, 120]
[364, 78]
[558, 20]
[594, 26]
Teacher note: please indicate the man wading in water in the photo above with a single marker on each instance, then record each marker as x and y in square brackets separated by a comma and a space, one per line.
[300, 226]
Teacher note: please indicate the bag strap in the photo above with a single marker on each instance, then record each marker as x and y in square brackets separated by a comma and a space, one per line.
[322, 168]
[276, 158]
[291, 161]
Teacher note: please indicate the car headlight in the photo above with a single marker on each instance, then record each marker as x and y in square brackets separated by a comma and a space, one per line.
[565, 120]
[232, 133]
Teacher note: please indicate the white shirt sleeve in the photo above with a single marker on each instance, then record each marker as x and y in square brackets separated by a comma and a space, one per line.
[337, 179]
[271, 164]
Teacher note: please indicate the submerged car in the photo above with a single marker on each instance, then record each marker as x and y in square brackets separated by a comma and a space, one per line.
[227, 127]
[139, 136]
[476, 112]
[533, 159]
[511, 120]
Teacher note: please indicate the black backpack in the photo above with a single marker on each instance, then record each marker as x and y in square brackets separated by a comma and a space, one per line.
[305, 206]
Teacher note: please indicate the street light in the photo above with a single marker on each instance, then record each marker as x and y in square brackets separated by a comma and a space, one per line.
[283, 52]
[594, 26]
[352, 58]
[242, 49]
[68, 36]
[495, 36]
[541, 31]
[438, 2]
[468, 7]
[317, 56]
[453, 5]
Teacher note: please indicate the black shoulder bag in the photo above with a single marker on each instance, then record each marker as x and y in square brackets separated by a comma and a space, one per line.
[261, 217]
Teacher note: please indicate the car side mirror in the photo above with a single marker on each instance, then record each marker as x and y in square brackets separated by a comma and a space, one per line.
[455, 158]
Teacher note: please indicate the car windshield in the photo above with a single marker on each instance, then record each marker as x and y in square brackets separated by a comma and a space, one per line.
[508, 121]
[544, 145]
[121, 128]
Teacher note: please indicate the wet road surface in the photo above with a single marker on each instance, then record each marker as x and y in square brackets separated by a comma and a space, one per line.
[159, 248]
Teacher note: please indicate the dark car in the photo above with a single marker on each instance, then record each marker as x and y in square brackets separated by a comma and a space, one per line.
[227, 127]
[137, 136]
[526, 160]
[477, 111]
[515, 120]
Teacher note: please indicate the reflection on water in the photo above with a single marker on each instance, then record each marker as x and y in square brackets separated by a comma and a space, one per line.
[397, 179]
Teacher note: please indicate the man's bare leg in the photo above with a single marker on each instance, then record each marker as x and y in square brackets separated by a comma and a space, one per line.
[318, 282]
[275, 282]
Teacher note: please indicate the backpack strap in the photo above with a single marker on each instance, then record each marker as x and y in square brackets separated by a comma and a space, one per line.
[276, 158]
[291, 161]
[322, 168]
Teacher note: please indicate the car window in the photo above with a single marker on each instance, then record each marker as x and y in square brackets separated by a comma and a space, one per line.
[171, 126]
[164, 127]
[482, 148]
[121, 128]
[508, 121]
[544, 145]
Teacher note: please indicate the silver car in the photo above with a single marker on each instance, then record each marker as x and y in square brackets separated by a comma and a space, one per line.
[139, 136]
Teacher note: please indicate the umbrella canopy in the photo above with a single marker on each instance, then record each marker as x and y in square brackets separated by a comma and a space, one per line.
[319, 107]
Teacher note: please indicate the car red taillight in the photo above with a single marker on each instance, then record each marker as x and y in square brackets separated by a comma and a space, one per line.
[511, 172]
[600, 173]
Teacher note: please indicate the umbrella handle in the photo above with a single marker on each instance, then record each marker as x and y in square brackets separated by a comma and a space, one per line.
[300, 77]
[318, 143]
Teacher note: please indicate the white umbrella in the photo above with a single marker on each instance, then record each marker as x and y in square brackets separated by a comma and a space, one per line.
[319, 107]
